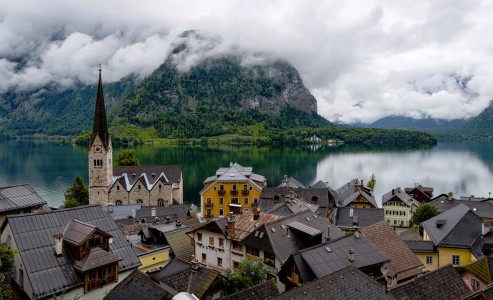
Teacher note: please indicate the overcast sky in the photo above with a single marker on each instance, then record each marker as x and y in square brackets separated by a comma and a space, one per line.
[362, 60]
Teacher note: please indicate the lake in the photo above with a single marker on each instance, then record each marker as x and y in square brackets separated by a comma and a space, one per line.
[462, 168]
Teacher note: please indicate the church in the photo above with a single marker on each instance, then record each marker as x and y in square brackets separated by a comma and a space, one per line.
[145, 185]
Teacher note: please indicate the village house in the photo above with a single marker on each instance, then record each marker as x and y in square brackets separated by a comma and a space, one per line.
[19, 199]
[355, 194]
[398, 207]
[78, 251]
[479, 274]
[420, 193]
[483, 209]
[275, 241]
[455, 237]
[233, 189]
[137, 286]
[145, 185]
[350, 219]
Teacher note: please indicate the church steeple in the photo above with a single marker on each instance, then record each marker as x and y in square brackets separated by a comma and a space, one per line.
[100, 126]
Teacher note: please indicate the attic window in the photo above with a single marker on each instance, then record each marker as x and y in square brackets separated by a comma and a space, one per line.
[261, 235]
[273, 230]
[133, 175]
[328, 249]
[308, 219]
[153, 174]
[276, 198]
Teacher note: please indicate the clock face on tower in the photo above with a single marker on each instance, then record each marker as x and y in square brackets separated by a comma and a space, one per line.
[97, 149]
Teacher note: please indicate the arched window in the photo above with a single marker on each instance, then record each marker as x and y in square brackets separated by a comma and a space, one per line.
[160, 202]
[118, 202]
[138, 186]
[139, 201]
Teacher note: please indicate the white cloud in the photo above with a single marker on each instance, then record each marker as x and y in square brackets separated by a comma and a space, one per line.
[362, 59]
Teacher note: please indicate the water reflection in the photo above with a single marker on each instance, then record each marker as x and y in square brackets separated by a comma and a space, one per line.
[463, 169]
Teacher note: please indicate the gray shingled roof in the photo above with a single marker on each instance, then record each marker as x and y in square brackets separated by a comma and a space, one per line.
[482, 209]
[349, 191]
[123, 211]
[33, 235]
[312, 196]
[421, 246]
[361, 217]
[457, 227]
[348, 283]
[18, 197]
[275, 238]
[97, 257]
[444, 283]
[136, 286]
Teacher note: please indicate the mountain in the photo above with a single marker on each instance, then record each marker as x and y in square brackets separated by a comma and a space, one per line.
[479, 126]
[428, 125]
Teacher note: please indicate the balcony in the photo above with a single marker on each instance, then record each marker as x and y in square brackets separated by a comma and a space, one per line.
[96, 283]
[245, 192]
[209, 204]
[234, 192]
[221, 192]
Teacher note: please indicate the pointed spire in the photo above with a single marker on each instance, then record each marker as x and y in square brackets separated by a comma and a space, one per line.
[100, 126]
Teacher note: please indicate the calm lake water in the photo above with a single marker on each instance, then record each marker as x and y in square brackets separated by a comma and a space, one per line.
[464, 169]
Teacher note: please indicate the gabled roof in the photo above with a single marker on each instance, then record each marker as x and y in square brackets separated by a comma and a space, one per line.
[97, 258]
[234, 173]
[332, 256]
[482, 209]
[100, 127]
[263, 290]
[18, 197]
[180, 245]
[426, 191]
[136, 286]
[348, 283]
[402, 260]
[292, 183]
[444, 283]
[279, 238]
[149, 176]
[320, 185]
[345, 201]
[421, 246]
[77, 232]
[351, 189]
[456, 227]
[312, 196]
[483, 269]
[33, 235]
[398, 194]
[360, 217]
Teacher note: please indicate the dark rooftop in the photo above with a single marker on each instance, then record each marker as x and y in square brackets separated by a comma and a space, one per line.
[136, 286]
[18, 197]
[264, 290]
[359, 217]
[97, 258]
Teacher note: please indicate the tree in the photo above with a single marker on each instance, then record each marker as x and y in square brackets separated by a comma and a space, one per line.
[78, 191]
[425, 211]
[70, 202]
[7, 263]
[127, 158]
[372, 182]
[248, 274]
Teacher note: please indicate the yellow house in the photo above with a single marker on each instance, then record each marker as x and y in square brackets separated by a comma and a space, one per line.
[452, 237]
[233, 189]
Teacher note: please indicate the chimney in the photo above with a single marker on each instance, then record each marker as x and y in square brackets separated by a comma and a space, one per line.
[450, 196]
[168, 219]
[256, 213]
[153, 212]
[351, 255]
[230, 227]
[58, 243]
[485, 228]
[178, 223]
[110, 207]
[195, 263]
[156, 220]
[328, 234]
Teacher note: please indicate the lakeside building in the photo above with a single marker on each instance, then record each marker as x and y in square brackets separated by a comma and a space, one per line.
[19, 199]
[356, 195]
[233, 189]
[145, 185]
[398, 207]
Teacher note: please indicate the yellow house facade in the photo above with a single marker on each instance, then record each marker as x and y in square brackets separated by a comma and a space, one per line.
[233, 189]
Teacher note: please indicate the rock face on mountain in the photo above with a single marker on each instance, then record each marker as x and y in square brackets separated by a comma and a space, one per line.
[479, 126]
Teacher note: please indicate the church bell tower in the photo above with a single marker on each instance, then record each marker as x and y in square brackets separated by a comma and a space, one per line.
[100, 153]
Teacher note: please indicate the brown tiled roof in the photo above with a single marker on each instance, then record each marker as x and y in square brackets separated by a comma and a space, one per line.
[77, 232]
[444, 283]
[245, 224]
[181, 245]
[402, 260]
[95, 259]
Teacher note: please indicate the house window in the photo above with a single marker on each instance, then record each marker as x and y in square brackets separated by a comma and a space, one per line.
[236, 264]
[211, 241]
[221, 211]
[118, 202]
[221, 200]
[252, 251]
[237, 246]
[234, 187]
[314, 199]
[117, 187]
[429, 260]
[221, 243]
[138, 186]
[234, 200]
[215, 189]
[221, 187]
[204, 257]
[245, 200]
[159, 186]
[245, 187]
[139, 201]
[199, 237]
[255, 200]
[209, 200]
[455, 259]
[209, 212]
[395, 222]
[160, 202]
[474, 284]
[219, 262]
[269, 259]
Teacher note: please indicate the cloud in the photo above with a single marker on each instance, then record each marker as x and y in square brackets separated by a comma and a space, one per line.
[362, 60]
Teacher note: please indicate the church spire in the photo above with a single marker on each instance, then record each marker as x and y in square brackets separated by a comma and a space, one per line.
[100, 126]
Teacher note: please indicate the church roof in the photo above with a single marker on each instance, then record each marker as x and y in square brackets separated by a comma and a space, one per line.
[100, 127]
[128, 176]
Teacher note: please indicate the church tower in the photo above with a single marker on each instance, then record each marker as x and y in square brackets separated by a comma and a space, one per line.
[100, 153]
